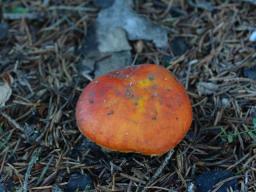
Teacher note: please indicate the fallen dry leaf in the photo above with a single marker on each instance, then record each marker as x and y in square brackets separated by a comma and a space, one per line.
[206, 88]
[5, 92]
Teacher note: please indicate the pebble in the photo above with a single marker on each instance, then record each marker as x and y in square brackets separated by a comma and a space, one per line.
[179, 46]
[252, 37]
[225, 102]
[78, 181]
[208, 179]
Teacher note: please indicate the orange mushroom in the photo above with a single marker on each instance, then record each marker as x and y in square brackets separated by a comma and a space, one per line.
[141, 109]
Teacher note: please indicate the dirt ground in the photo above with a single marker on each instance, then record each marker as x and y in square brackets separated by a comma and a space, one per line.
[41, 148]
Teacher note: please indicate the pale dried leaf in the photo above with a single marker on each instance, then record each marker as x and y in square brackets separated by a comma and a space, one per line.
[5, 93]
[206, 88]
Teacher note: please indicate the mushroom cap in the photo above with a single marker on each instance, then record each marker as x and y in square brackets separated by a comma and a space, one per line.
[141, 109]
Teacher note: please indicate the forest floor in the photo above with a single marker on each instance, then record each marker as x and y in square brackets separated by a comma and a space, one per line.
[209, 51]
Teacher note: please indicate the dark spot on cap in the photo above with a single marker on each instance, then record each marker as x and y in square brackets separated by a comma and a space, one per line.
[110, 112]
[154, 118]
[91, 101]
[154, 115]
[129, 93]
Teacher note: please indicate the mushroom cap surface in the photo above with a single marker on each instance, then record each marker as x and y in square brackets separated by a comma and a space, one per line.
[141, 109]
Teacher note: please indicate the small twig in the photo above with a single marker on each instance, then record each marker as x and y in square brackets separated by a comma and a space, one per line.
[132, 178]
[167, 10]
[135, 59]
[12, 121]
[28, 172]
[87, 76]
[72, 8]
[17, 16]
[189, 71]
[160, 169]
[40, 179]
[221, 183]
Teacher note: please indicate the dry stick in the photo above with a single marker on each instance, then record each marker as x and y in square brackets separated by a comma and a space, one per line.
[189, 71]
[160, 169]
[40, 179]
[72, 8]
[12, 121]
[221, 183]
[188, 75]
[18, 16]
[28, 172]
